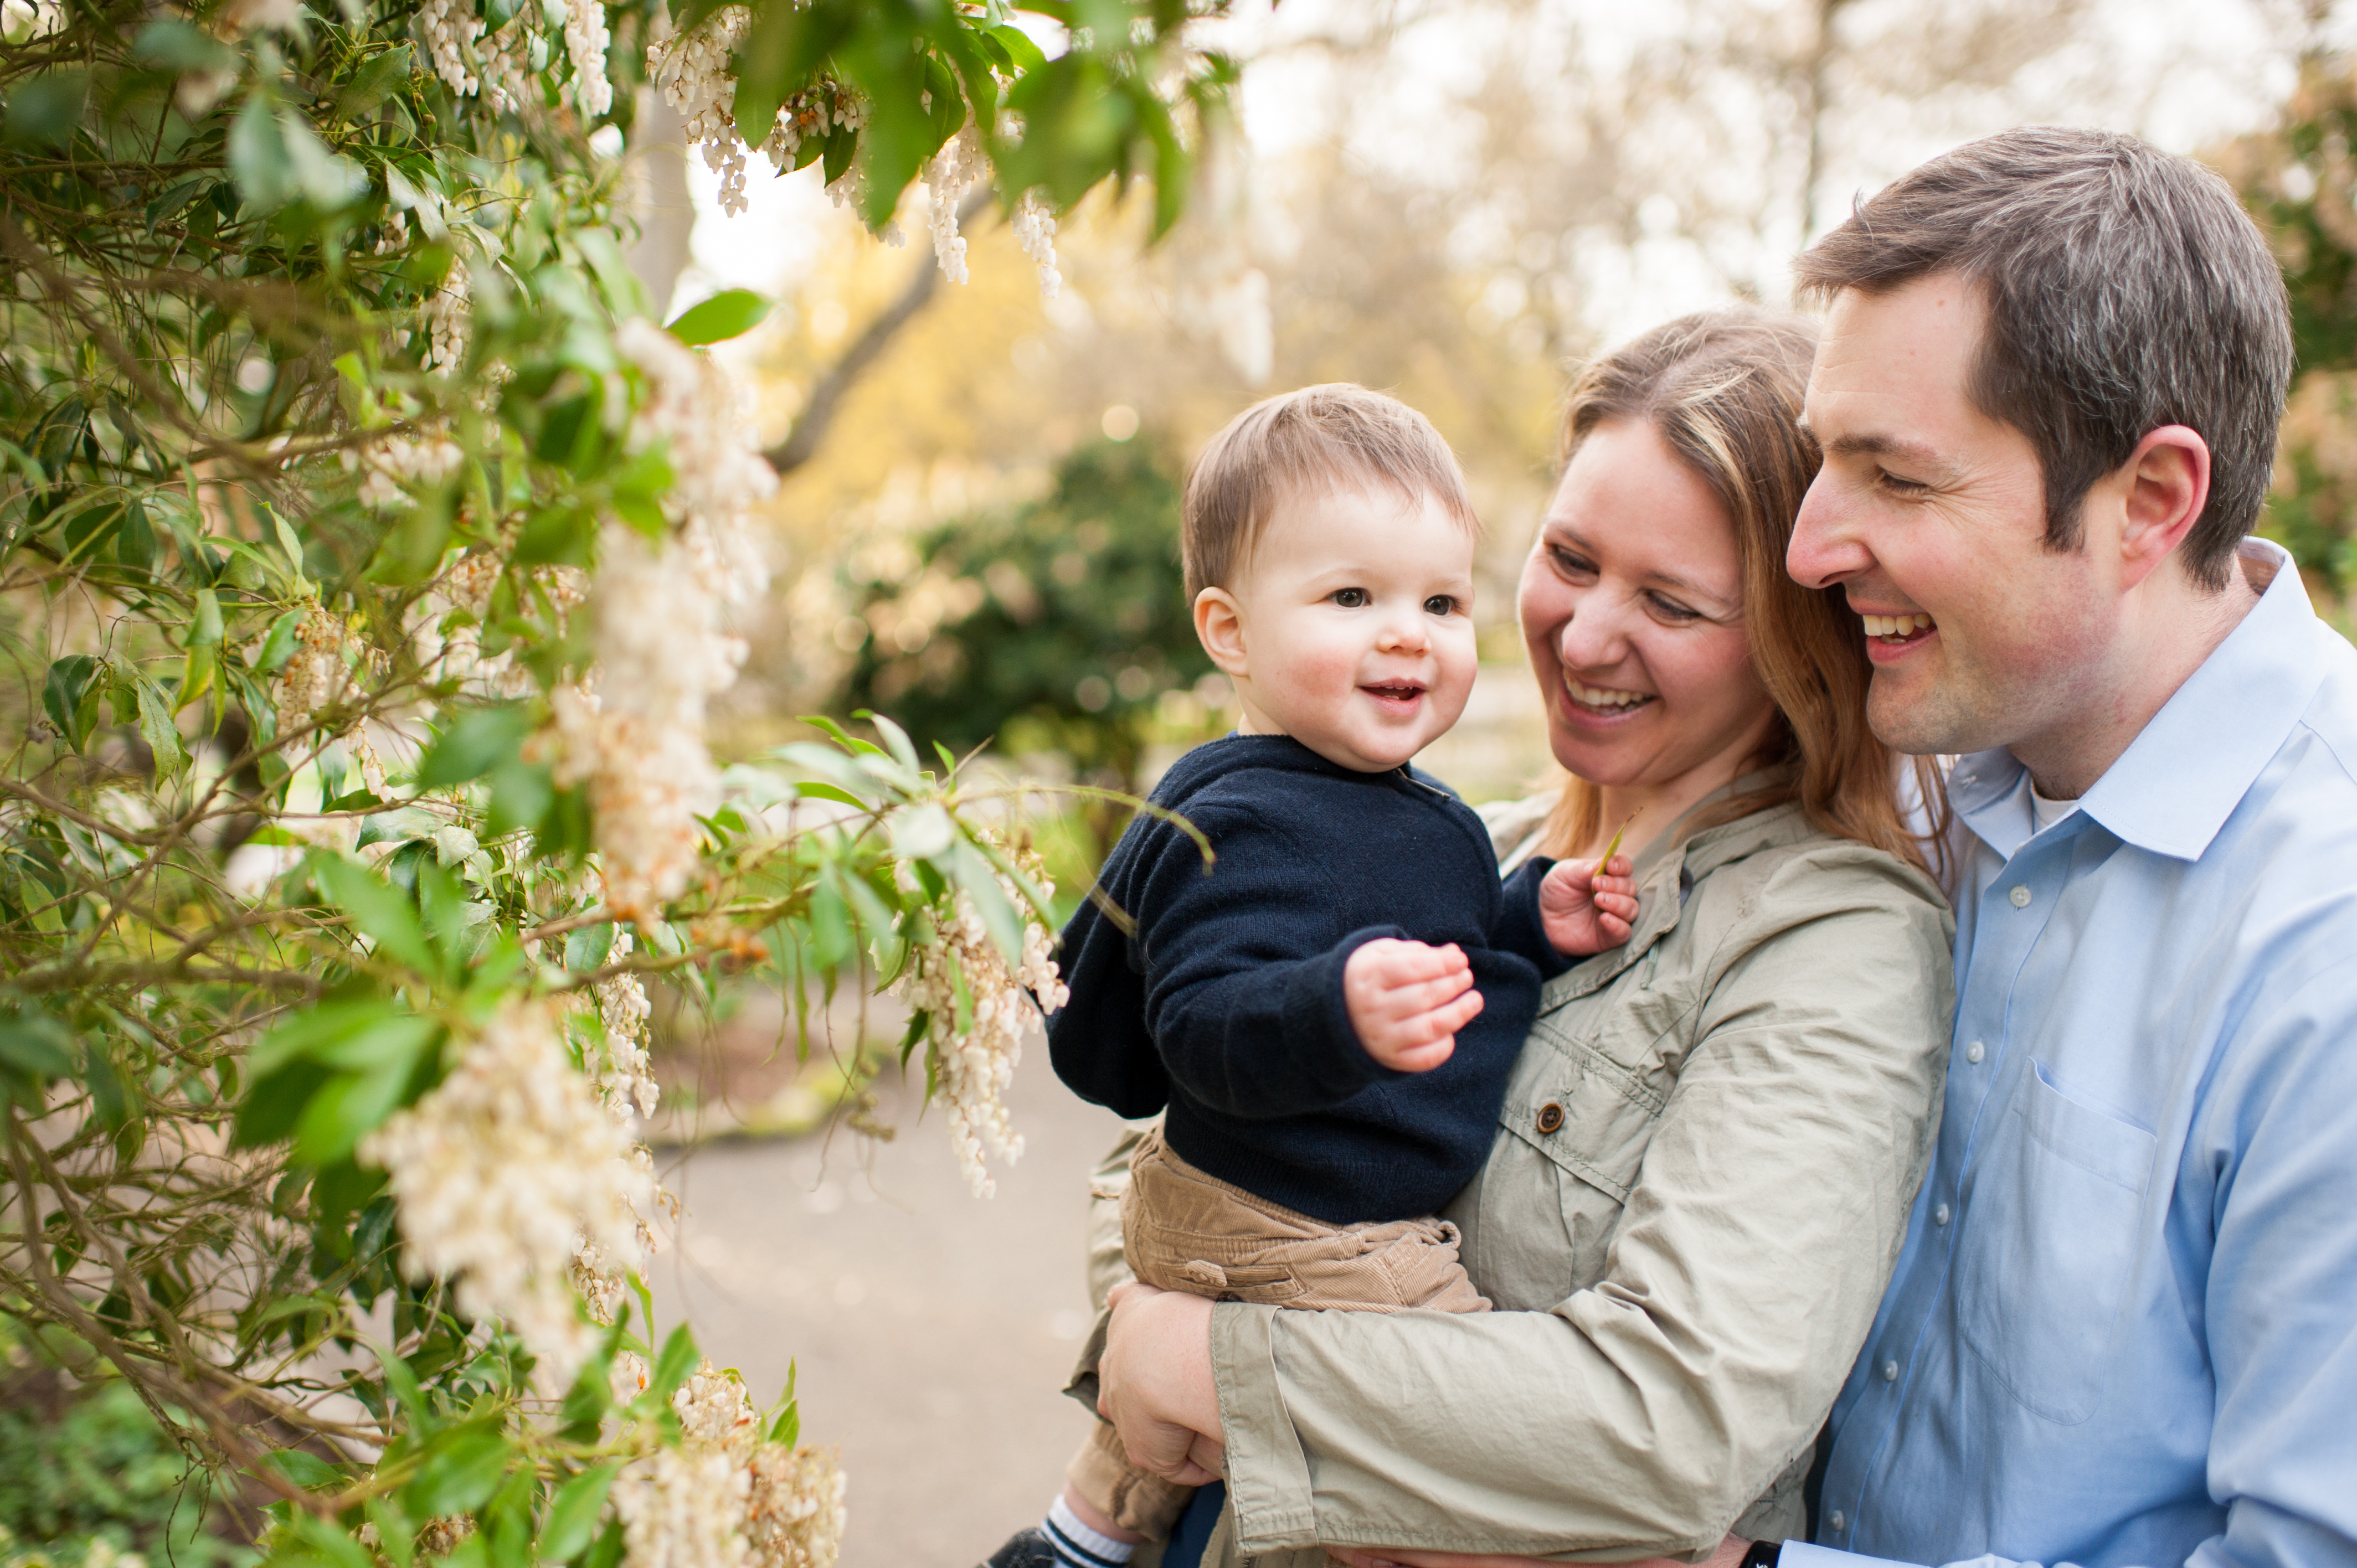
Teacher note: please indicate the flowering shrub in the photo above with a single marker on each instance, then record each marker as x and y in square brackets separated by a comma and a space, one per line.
[367, 563]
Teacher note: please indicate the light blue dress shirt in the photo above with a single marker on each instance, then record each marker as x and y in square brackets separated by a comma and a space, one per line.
[2123, 1329]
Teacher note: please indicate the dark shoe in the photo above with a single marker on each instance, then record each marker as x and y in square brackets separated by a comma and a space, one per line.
[1024, 1549]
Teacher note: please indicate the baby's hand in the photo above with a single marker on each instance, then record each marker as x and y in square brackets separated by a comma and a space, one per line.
[1407, 999]
[1587, 908]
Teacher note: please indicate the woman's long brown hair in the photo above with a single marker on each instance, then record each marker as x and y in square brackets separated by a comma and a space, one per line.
[1724, 388]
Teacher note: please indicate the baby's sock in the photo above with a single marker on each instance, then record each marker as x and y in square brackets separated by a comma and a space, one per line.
[1077, 1545]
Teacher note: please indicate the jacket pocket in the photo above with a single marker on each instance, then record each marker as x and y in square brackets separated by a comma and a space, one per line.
[2049, 1245]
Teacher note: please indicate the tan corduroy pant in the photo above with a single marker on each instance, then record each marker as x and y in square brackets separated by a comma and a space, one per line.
[1184, 1231]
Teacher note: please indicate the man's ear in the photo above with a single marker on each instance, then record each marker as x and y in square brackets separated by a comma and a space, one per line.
[1219, 627]
[2167, 484]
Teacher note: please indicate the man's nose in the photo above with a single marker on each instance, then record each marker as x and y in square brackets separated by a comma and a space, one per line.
[1826, 548]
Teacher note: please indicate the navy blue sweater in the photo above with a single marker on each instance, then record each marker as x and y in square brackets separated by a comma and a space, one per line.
[1224, 1006]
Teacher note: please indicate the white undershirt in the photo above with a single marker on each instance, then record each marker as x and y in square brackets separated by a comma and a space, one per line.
[2044, 813]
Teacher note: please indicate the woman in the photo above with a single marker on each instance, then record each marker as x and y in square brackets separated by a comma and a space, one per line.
[1704, 1163]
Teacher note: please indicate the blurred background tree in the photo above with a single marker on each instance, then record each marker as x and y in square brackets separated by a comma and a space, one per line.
[1055, 626]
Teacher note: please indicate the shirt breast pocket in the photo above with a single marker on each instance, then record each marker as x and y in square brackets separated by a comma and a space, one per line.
[2049, 1245]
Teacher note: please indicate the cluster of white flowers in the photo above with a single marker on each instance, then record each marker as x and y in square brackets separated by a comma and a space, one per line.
[504, 1171]
[690, 72]
[394, 465]
[684, 1508]
[726, 1497]
[956, 167]
[443, 321]
[663, 647]
[585, 38]
[974, 1069]
[450, 27]
[1035, 231]
[508, 67]
[625, 1079]
[315, 672]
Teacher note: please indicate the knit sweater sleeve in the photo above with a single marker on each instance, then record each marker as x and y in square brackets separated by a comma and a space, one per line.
[1244, 994]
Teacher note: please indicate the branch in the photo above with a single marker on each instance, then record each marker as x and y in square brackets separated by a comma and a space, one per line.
[826, 397]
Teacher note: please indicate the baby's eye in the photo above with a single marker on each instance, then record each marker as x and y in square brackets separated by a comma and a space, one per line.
[1350, 598]
[1440, 604]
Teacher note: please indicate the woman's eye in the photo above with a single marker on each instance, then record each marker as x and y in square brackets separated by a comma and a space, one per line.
[1350, 598]
[1440, 604]
[1671, 610]
[1899, 486]
[1572, 563]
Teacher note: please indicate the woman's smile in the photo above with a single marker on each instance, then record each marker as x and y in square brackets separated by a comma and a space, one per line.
[1604, 700]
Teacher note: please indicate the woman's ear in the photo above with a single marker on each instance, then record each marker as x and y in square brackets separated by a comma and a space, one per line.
[1219, 627]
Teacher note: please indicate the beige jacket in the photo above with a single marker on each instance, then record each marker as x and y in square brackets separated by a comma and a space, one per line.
[1700, 1180]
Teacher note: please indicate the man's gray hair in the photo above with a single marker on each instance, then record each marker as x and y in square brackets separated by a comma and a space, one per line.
[2126, 290]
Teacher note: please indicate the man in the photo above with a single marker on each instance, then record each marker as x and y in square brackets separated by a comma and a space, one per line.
[2124, 1328]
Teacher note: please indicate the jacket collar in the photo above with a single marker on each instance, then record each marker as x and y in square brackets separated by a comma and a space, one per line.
[2181, 777]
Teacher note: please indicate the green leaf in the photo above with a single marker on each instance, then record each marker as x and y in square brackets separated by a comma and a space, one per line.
[731, 313]
[70, 697]
[305, 1470]
[463, 1467]
[328, 181]
[1020, 49]
[570, 1522]
[36, 1044]
[156, 728]
[586, 948]
[258, 159]
[177, 45]
[278, 643]
[44, 110]
[922, 831]
[376, 910]
[206, 630]
[478, 741]
[672, 1366]
[809, 789]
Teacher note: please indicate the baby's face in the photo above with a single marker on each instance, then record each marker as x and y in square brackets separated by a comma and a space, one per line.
[1354, 625]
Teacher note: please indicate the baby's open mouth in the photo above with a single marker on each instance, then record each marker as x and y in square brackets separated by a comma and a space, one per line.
[1393, 690]
[1605, 699]
[1897, 629]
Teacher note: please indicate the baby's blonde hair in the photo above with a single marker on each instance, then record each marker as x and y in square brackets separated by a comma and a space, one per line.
[1326, 436]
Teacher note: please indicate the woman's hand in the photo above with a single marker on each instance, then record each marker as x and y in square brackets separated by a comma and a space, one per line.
[1587, 906]
[1155, 1383]
[1729, 1555]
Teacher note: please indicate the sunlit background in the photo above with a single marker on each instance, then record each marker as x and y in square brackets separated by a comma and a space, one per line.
[977, 531]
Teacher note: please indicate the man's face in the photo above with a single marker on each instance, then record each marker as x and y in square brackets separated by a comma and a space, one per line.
[1931, 517]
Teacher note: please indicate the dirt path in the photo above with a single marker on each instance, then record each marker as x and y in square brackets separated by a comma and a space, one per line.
[932, 1329]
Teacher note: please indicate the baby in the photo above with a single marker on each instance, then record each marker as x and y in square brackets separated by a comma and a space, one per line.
[1327, 1012]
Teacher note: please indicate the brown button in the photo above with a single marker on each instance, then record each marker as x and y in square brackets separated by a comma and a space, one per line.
[1550, 1117]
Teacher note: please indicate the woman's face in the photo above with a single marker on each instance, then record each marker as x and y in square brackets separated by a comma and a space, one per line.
[1632, 607]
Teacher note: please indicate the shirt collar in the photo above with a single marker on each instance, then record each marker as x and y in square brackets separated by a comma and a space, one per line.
[2187, 770]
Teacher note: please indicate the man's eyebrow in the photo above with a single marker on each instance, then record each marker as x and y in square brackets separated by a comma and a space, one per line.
[1875, 443]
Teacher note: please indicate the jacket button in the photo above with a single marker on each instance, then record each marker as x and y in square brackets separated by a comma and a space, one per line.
[1550, 1117]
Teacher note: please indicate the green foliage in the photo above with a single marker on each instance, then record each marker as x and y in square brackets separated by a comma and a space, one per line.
[1062, 623]
[1111, 106]
[322, 397]
[87, 1463]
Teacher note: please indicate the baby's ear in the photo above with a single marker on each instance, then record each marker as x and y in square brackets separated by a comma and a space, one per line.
[1220, 628]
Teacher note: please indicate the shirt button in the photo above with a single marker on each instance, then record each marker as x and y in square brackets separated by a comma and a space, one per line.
[1939, 1215]
[1975, 1052]
[1550, 1117]
[2020, 897]
[1837, 1521]
[1891, 1372]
